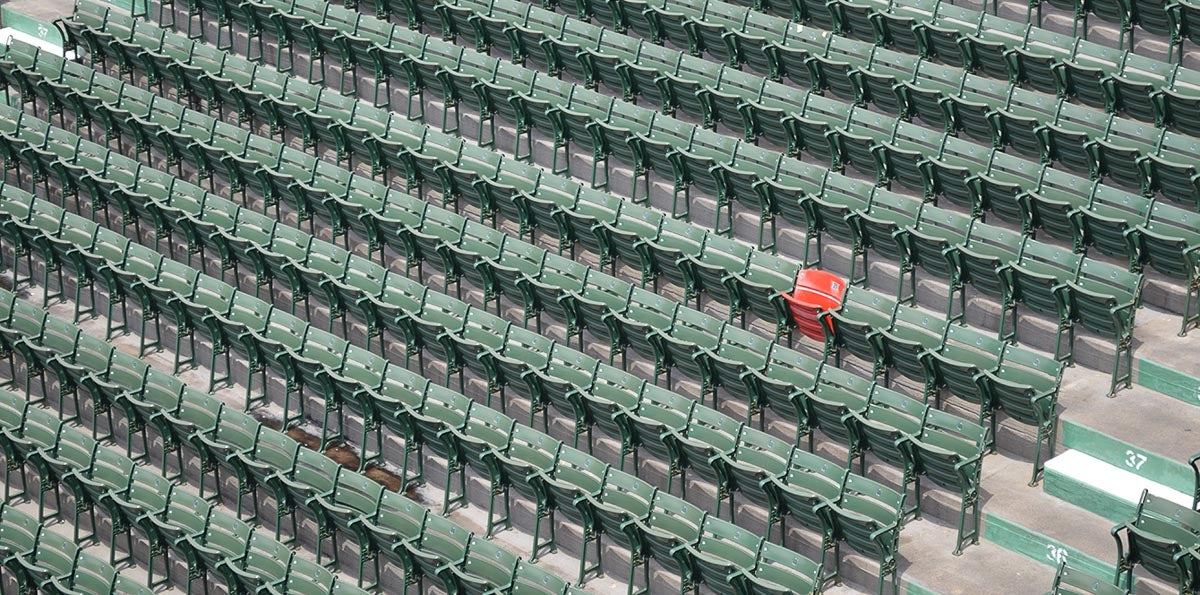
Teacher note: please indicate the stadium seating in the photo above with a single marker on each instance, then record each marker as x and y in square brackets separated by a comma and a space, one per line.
[645, 348]
[677, 326]
[1106, 328]
[46, 559]
[1108, 244]
[208, 539]
[91, 469]
[1052, 205]
[303, 489]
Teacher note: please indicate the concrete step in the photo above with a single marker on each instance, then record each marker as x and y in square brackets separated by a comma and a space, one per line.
[1142, 463]
[929, 566]
[1165, 361]
[1045, 529]
[1140, 430]
[1098, 487]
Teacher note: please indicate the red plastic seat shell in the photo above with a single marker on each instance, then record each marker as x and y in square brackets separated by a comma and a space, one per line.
[816, 291]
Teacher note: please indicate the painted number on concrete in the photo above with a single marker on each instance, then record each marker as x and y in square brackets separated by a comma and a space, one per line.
[1056, 554]
[1134, 460]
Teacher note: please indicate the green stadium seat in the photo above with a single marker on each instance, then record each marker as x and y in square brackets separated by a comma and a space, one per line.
[624, 503]
[941, 35]
[19, 535]
[831, 212]
[1036, 284]
[857, 21]
[531, 457]
[985, 263]
[723, 556]
[532, 580]
[1026, 388]
[1104, 299]
[672, 525]
[488, 568]
[709, 437]
[660, 419]
[888, 427]
[868, 517]
[961, 362]
[950, 453]
[1173, 176]
[1071, 581]
[832, 405]
[910, 342]
[230, 440]
[855, 328]
[1169, 243]
[692, 336]
[927, 95]
[975, 109]
[29, 443]
[397, 521]
[574, 482]
[898, 24]
[934, 243]
[780, 571]
[883, 227]
[1160, 537]
[91, 574]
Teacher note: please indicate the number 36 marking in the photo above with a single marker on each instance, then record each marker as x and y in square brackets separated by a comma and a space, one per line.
[1056, 554]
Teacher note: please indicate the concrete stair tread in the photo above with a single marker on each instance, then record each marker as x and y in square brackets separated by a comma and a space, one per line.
[1101, 488]
[1157, 339]
[1116, 429]
[1032, 523]
[927, 547]
[1008, 495]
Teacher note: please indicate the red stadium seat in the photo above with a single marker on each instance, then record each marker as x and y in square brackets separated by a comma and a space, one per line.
[816, 291]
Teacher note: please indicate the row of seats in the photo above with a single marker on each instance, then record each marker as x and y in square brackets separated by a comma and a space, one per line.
[42, 558]
[973, 365]
[936, 247]
[1080, 138]
[1112, 285]
[718, 363]
[881, 407]
[1059, 212]
[688, 268]
[811, 386]
[455, 427]
[1012, 366]
[1064, 206]
[421, 542]
[1077, 262]
[1163, 537]
[991, 112]
[205, 537]
[961, 37]
[972, 38]
[493, 183]
[679, 334]
[423, 307]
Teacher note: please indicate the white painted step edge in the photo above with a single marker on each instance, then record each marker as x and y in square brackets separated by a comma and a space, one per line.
[1111, 480]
